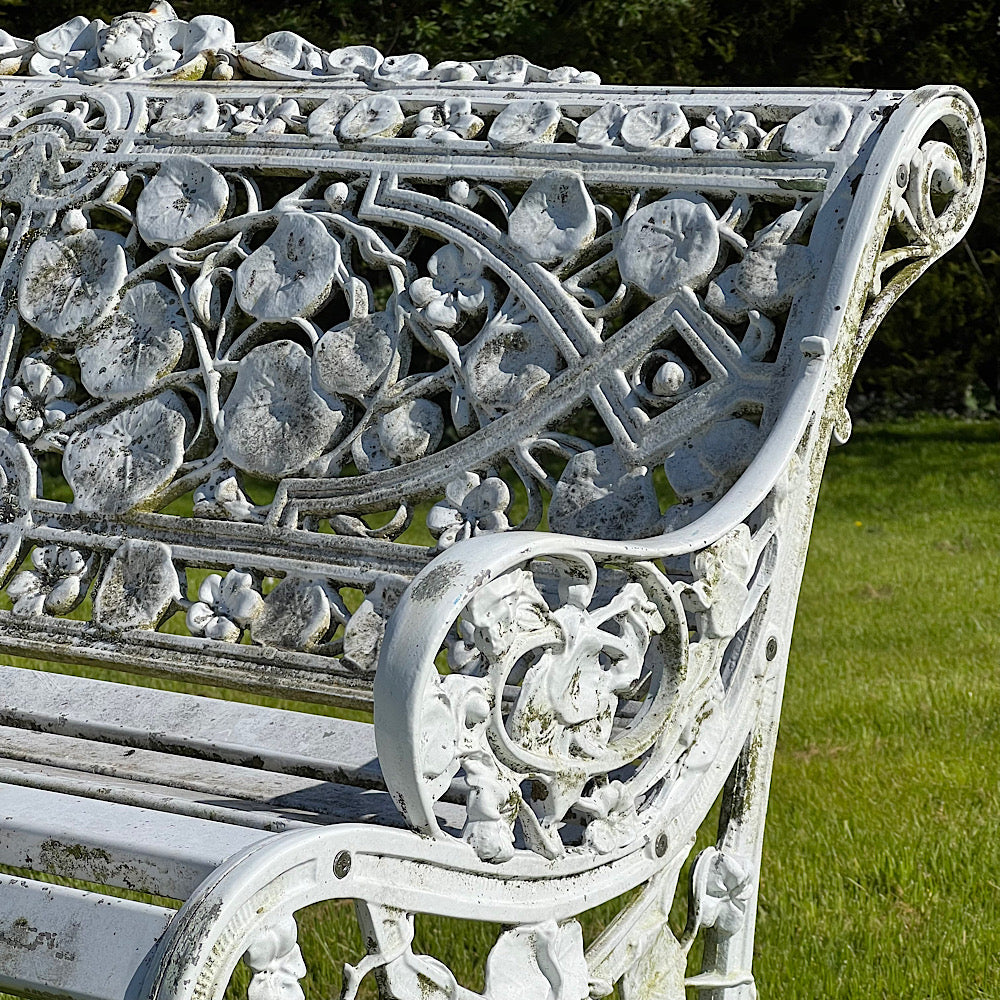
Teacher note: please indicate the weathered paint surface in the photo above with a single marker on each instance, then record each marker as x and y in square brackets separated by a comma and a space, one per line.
[369, 283]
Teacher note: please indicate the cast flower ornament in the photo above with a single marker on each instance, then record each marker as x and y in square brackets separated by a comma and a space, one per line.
[722, 887]
[271, 115]
[53, 586]
[37, 400]
[472, 507]
[156, 43]
[448, 122]
[455, 289]
[225, 606]
[726, 129]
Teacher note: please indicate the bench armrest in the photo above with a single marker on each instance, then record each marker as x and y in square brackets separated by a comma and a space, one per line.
[595, 688]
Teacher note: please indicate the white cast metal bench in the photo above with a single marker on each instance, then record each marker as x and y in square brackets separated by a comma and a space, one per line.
[269, 310]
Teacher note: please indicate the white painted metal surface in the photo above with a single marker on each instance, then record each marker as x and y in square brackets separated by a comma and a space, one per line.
[301, 293]
[80, 944]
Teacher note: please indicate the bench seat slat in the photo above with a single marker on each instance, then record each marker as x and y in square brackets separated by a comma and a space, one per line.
[64, 937]
[109, 843]
[224, 793]
[249, 735]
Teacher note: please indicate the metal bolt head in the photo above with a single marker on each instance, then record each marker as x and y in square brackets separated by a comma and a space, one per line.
[902, 175]
[342, 864]
[772, 648]
[661, 845]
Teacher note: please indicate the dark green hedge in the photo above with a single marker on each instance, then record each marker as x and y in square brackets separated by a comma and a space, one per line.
[939, 348]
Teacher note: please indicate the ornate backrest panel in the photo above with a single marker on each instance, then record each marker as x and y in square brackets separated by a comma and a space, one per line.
[308, 296]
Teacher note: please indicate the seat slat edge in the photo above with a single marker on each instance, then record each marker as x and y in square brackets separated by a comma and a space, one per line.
[223, 793]
[249, 735]
[55, 940]
[109, 843]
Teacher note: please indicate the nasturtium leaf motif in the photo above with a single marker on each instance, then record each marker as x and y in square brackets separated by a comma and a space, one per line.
[351, 358]
[142, 340]
[554, 218]
[670, 243]
[404, 67]
[295, 615]
[292, 273]
[377, 116]
[706, 466]
[185, 196]
[191, 111]
[524, 121]
[508, 70]
[659, 968]
[402, 435]
[816, 130]
[323, 120]
[600, 496]
[282, 55]
[274, 423]
[653, 125]
[19, 478]
[769, 274]
[602, 128]
[509, 362]
[69, 282]
[125, 463]
[353, 60]
[543, 960]
[138, 588]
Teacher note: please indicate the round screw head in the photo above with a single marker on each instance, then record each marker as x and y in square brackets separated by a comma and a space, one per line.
[902, 175]
[772, 648]
[342, 864]
[661, 845]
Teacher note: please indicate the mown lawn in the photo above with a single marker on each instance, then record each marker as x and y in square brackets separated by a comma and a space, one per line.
[882, 861]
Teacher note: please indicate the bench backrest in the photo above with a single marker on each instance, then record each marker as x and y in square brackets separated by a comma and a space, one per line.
[320, 300]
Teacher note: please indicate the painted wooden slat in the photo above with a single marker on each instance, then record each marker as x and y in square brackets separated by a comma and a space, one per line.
[276, 797]
[61, 941]
[249, 735]
[113, 844]
[224, 793]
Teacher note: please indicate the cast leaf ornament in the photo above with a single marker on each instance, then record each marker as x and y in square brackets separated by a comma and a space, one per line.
[70, 281]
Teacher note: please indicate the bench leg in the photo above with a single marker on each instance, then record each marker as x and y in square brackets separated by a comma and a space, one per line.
[728, 956]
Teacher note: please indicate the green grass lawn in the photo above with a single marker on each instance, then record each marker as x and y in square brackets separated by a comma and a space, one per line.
[882, 862]
[881, 870]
